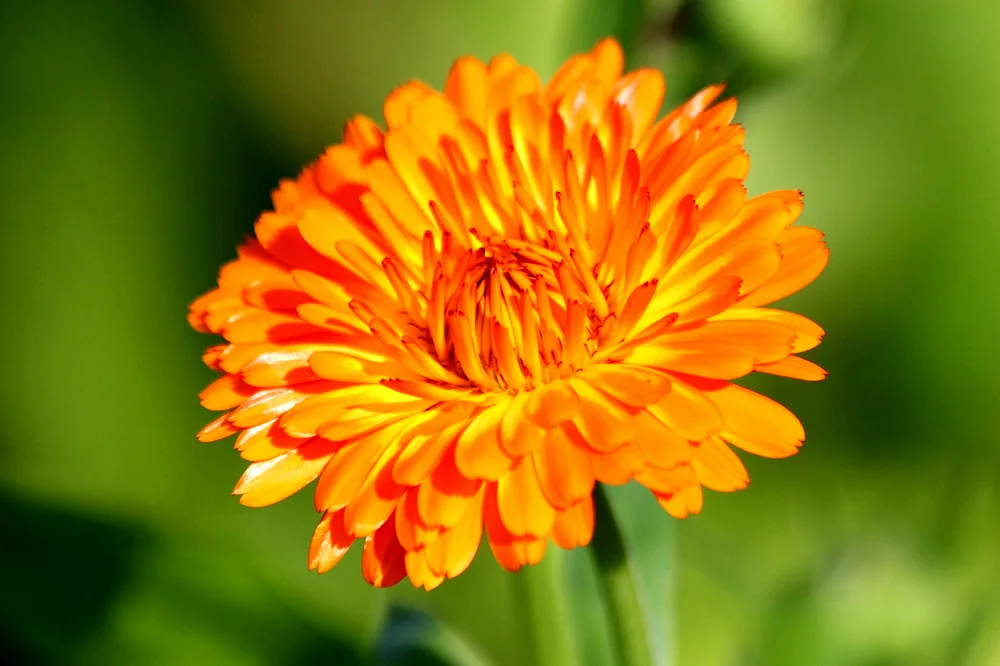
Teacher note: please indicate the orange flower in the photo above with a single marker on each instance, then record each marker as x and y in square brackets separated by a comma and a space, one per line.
[515, 291]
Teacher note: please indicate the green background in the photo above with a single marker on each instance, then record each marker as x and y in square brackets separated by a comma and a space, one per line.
[140, 141]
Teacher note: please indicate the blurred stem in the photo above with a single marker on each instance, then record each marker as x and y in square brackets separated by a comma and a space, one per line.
[616, 578]
[542, 597]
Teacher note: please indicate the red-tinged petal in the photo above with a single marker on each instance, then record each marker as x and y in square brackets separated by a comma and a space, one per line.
[329, 542]
[564, 470]
[478, 454]
[271, 481]
[757, 424]
[523, 507]
[718, 467]
[574, 525]
[226, 392]
[218, 429]
[794, 367]
[383, 560]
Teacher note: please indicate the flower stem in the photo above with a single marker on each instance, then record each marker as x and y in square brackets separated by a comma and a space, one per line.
[542, 595]
[616, 578]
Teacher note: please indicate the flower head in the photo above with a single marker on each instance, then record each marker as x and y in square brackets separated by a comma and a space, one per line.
[516, 290]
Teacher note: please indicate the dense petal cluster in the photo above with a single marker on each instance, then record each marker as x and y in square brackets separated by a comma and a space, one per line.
[517, 290]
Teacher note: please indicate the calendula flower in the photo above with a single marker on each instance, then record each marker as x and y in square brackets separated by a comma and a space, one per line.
[515, 291]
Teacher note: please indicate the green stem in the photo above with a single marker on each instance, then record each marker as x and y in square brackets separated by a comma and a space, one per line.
[616, 578]
[542, 596]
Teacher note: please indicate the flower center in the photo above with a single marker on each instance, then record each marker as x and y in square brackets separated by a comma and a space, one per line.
[508, 315]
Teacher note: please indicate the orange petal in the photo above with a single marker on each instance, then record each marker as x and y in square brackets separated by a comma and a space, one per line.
[383, 560]
[352, 466]
[271, 481]
[603, 424]
[423, 452]
[552, 404]
[264, 441]
[419, 571]
[704, 358]
[795, 367]
[466, 86]
[226, 392]
[666, 481]
[411, 531]
[564, 470]
[443, 499]
[658, 445]
[688, 412]
[631, 385]
[266, 405]
[521, 503]
[684, 502]
[478, 454]
[329, 542]
[757, 424]
[453, 551]
[807, 333]
[574, 526]
[218, 429]
[768, 341]
[401, 100]
[518, 435]
[718, 467]
[804, 255]
[641, 92]
[619, 466]
[279, 368]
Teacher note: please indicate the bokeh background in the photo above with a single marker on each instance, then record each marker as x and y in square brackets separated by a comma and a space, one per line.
[139, 142]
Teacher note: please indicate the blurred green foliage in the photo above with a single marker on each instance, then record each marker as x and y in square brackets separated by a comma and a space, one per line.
[140, 140]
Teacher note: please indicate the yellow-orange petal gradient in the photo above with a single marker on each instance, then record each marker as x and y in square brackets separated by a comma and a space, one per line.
[459, 324]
